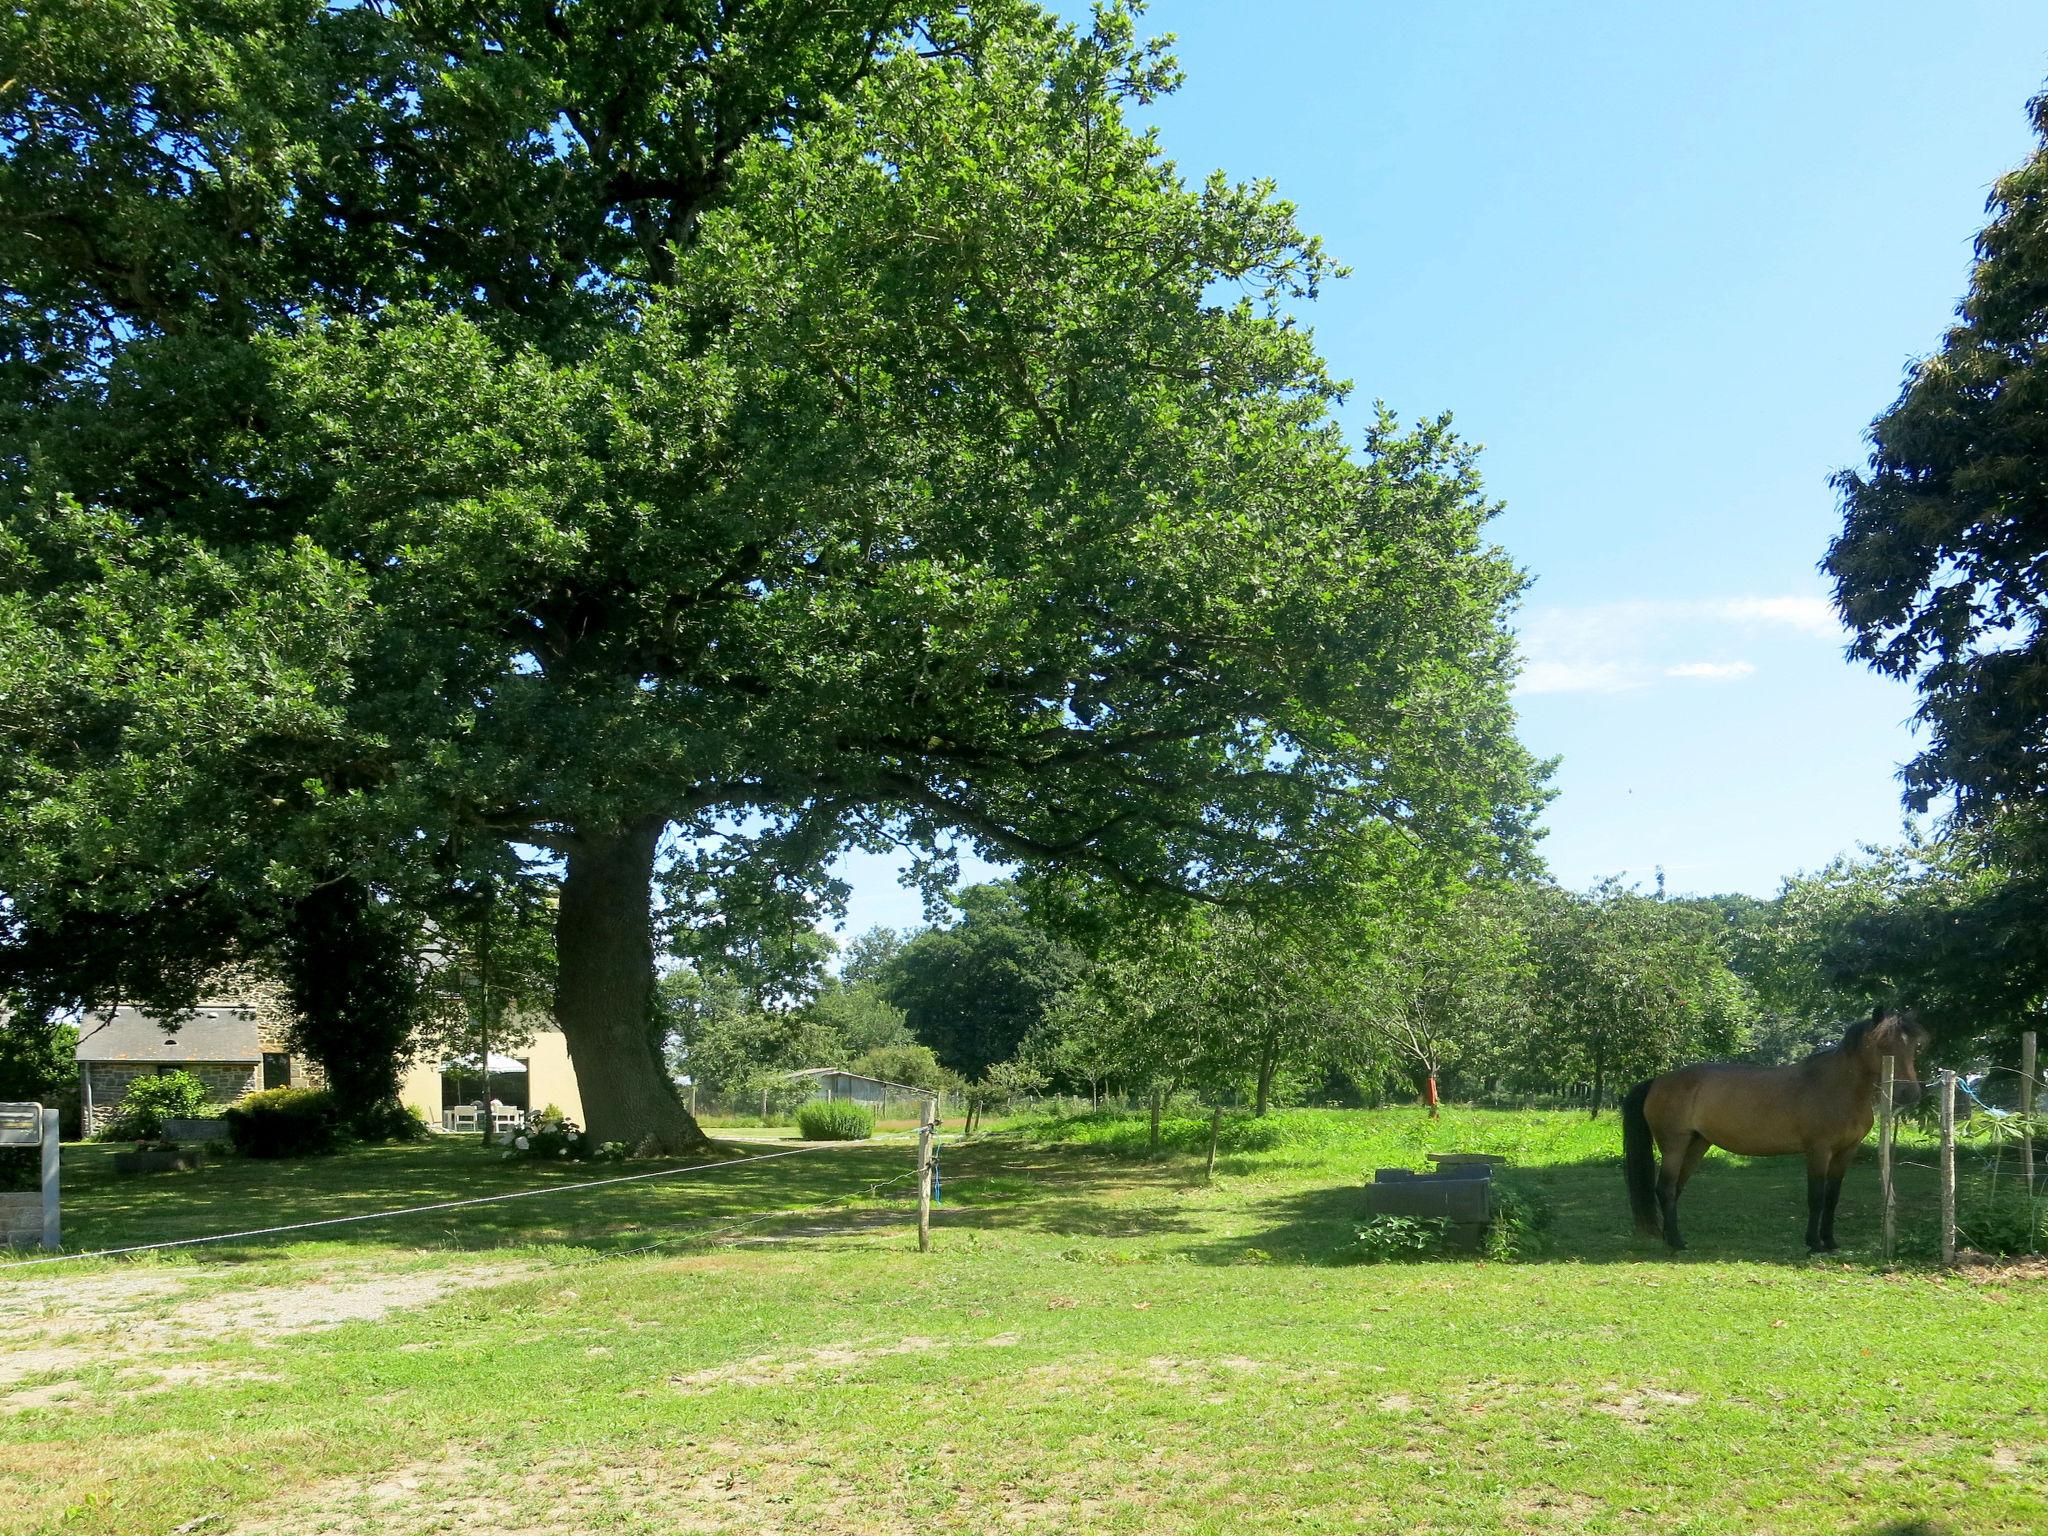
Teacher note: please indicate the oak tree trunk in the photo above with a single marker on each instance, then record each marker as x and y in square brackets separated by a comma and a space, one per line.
[604, 991]
[1268, 1060]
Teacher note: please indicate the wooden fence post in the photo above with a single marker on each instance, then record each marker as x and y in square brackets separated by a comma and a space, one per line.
[1947, 1081]
[1886, 1193]
[924, 1176]
[2027, 1107]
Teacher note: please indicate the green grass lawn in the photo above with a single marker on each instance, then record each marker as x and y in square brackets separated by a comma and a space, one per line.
[1098, 1341]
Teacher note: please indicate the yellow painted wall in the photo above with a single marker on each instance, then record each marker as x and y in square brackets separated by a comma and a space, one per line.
[550, 1079]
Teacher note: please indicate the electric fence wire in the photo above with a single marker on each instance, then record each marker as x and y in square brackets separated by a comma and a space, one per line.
[452, 1205]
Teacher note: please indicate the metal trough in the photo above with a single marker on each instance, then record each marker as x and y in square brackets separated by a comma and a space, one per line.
[1459, 1190]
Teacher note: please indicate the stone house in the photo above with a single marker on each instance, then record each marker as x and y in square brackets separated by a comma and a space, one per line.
[233, 1043]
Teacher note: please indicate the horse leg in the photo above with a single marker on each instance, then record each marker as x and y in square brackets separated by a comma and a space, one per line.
[1817, 1161]
[1678, 1162]
[1838, 1165]
[1696, 1150]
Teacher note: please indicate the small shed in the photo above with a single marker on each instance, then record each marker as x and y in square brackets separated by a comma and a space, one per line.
[856, 1088]
[233, 1048]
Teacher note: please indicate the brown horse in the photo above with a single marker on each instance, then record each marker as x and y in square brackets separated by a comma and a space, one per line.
[1822, 1106]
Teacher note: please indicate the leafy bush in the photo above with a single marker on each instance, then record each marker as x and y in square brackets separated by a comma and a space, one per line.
[150, 1101]
[389, 1120]
[552, 1135]
[2007, 1223]
[834, 1120]
[1382, 1239]
[285, 1122]
[1520, 1215]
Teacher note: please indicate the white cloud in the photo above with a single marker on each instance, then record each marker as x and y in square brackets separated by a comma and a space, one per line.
[1717, 671]
[1623, 646]
[1579, 677]
[1811, 615]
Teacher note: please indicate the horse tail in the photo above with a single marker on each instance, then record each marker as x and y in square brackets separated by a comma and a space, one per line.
[1638, 1159]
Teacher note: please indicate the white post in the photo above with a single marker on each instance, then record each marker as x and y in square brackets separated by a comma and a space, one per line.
[53, 1231]
[1886, 1194]
[924, 1178]
[1947, 1080]
[2027, 1107]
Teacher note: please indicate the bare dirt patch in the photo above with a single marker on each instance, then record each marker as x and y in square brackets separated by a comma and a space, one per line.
[1549, 1509]
[71, 1324]
[1640, 1406]
[771, 1370]
[714, 1488]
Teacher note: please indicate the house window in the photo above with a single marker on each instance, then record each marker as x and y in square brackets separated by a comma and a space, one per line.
[277, 1069]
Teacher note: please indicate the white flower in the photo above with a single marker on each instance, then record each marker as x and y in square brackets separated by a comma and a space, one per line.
[572, 1135]
[520, 1142]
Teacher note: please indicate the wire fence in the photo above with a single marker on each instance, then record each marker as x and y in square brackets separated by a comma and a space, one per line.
[704, 1234]
[1991, 1199]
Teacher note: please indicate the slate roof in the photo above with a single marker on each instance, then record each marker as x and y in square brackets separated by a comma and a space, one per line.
[216, 1033]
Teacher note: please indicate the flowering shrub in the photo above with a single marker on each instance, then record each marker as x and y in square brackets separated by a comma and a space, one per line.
[552, 1135]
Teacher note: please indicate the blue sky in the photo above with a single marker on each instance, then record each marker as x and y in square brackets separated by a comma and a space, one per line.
[1665, 263]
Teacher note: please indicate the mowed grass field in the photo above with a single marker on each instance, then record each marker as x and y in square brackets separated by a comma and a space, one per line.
[1098, 1342]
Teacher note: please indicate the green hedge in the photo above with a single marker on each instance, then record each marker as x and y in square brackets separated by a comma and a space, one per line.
[285, 1122]
[834, 1120]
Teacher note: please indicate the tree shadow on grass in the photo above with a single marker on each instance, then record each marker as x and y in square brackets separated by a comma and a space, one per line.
[1738, 1210]
[103, 1209]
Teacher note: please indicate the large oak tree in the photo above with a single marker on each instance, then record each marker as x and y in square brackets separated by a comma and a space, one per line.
[792, 424]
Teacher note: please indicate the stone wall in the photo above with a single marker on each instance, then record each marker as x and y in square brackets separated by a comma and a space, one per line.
[107, 1082]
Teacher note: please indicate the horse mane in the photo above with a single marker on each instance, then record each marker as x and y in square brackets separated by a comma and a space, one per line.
[1854, 1036]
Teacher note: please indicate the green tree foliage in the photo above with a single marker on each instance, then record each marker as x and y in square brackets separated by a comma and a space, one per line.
[1446, 994]
[868, 954]
[489, 971]
[36, 1061]
[801, 427]
[357, 994]
[1947, 925]
[1624, 985]
[974, 990]
[729, 1037]
[1227, 1003]
[1941, 568]
[859, 1015]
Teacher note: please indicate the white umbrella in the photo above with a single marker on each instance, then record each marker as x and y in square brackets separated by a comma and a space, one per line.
[498, 1064]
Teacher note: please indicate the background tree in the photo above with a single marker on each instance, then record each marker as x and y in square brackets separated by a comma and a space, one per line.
[1941, 568]
[1447, 992]
[974, 990]
[1625, 986]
